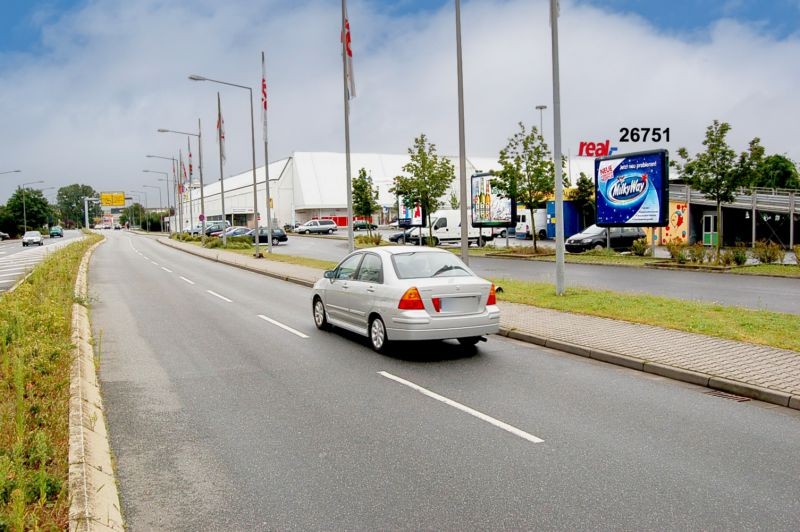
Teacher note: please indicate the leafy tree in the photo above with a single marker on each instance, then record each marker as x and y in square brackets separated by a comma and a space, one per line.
[70, 203]
[454, 203]
[715, 172]
[365, 201]
[8, 223]
[28, 205]
[135, 214]
[775, 171]
[429, 178]
[583, 197]
[528, 173]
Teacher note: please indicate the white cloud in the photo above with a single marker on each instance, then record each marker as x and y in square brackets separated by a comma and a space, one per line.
[116, 71]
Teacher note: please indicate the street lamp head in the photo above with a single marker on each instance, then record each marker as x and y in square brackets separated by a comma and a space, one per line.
[195, 77]
[160, 130]
[541, 107]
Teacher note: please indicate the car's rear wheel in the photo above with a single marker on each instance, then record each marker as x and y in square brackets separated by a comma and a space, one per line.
[542, 234]
[401, 241]
[469, 341]
[377, 335]
[598, 247]
[330, 231]
[320, 317]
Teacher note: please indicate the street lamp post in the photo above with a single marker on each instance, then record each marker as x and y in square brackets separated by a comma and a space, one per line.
[199, 136]
[24, 212]
[160, 203]
[11, 172]
[175, 183]
[541, 108]
[253, 146]
[86, 201]
[145, 206]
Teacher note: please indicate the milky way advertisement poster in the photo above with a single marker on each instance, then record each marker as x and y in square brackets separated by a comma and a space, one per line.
[632, 189]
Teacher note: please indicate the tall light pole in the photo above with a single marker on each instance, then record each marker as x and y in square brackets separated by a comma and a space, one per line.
[199, 136]
[86, 201]
[557, 151]
[145, 206]
[195, 77]
[11, 172]
[541, 108]
[24, 212]
[462, 150]
[175, 184]
[160, 204]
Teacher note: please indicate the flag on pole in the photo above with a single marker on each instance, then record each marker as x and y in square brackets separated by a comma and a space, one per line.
[264, 94]
[221, 135]
[348, 56]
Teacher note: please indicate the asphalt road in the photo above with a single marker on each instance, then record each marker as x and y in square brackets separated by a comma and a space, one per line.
[17, 260]
[749, 291]
[223, 420]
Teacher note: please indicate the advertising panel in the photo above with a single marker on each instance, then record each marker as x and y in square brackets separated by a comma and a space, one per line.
[112, 199]
[632, 189]
[488, 207]
[410, 216]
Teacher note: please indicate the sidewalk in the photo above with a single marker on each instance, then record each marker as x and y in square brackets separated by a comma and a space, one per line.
[759, 372]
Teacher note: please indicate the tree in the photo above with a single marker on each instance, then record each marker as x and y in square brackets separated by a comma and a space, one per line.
[528, 174]
[28, 205]
[715, 172]
[454, 203]
[429, 178]
[583, 197]
[365, 202]
[70, 203]
[135, 214]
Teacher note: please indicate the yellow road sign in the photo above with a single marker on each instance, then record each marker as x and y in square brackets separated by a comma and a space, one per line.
[112, 199]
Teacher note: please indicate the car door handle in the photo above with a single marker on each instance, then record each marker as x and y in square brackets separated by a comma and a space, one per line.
[370, 289]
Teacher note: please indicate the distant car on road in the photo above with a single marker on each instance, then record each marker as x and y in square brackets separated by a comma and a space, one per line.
[237, 230]
[216, 227]
[363, 225]
[317, 226]
[4, 236]
[594, 237]
[56, 231]
[395, 293]
[32, 237]
[278, 235]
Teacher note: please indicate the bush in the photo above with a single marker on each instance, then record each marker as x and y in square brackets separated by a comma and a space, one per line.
[768, 252]
[739, 254]
[796, 250]
[697, 253]
[677, 251]
[213, 242]
[374, 239]
[640, 247]
[725, 257]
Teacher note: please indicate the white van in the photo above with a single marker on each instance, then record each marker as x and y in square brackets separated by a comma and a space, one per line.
[446, 225]
[524, 225]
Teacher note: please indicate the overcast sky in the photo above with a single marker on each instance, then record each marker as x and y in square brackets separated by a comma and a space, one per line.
[84, 85]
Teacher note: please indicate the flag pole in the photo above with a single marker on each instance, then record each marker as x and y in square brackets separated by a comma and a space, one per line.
[266, 151]
[202, 191]
[181, 189]
[221, 139]
[350, 238]
[191, 209]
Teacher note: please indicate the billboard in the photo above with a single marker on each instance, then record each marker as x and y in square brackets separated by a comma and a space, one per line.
[488, 207]
[410, 216]
[112, 199]
[632, 189]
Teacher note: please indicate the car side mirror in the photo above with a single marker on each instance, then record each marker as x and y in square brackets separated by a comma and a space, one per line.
[328, 274]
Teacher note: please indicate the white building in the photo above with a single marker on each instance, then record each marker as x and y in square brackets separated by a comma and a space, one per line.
[306, 185]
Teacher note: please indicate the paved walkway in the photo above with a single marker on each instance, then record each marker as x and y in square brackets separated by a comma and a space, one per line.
[759, 372]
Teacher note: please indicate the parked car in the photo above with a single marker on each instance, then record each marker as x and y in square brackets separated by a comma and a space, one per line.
[56, 231]
[32, 237]
[237, 230]
[278, 235]
[290, 227]
[216, 227]
[363, 225]
[402, 237]
[395, 293]
[524, 224]
[594, 237]
[4, 236]
[317, 226]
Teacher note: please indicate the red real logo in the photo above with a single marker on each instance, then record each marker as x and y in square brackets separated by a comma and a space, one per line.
[596, 149]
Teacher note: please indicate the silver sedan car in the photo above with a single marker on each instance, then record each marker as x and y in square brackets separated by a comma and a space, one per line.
[400, 293]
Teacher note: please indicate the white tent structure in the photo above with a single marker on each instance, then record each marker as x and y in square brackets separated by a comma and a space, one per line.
[308, 185]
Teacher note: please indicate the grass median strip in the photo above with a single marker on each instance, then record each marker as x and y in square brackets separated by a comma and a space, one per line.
[35, 358]
[774, 329]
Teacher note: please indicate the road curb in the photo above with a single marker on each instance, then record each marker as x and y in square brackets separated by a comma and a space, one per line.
[671, 372]
[744, 389]
[92, 484]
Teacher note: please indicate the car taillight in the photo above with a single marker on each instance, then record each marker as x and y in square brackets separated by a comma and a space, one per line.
[437, 304]
[411, 300]
[492, 296]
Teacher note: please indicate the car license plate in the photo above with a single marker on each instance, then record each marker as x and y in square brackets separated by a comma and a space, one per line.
[460, 304]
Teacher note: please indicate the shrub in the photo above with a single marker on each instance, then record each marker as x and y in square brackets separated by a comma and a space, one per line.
[697, 253]
[640, 247]
[796, 250]
[739, 254]
[677, 249]
[213, 242]
[768, 252]
[374, 239]
[725, 257]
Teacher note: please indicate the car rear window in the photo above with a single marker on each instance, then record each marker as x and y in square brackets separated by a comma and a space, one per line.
[426, 264]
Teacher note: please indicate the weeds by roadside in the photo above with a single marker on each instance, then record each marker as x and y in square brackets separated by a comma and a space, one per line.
[35, 357]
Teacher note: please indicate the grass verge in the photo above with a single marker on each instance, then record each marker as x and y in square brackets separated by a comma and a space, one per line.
[771, 270]
[289, 259]
[35, 358]
[774, 329]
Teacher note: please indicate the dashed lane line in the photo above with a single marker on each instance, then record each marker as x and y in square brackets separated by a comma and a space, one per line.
[219, 296]
[185, 279]
[282, 326]
[166, 269]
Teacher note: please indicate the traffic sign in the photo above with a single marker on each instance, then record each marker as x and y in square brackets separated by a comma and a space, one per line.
[202, 217]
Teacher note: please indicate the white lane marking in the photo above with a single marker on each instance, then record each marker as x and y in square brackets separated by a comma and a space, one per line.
[8, 281]
[185, 279]
[166, 269]
[282, 326]
[219, 296]
[145, 257]
[12, 274]
[154, 263]
[496, 422]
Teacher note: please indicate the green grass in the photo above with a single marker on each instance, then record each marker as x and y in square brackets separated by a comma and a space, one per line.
[35, 357]
[290, 259]
[775, 270]
[774, 329]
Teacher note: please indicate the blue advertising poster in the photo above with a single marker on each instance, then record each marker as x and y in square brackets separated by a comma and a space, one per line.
[632, 189]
